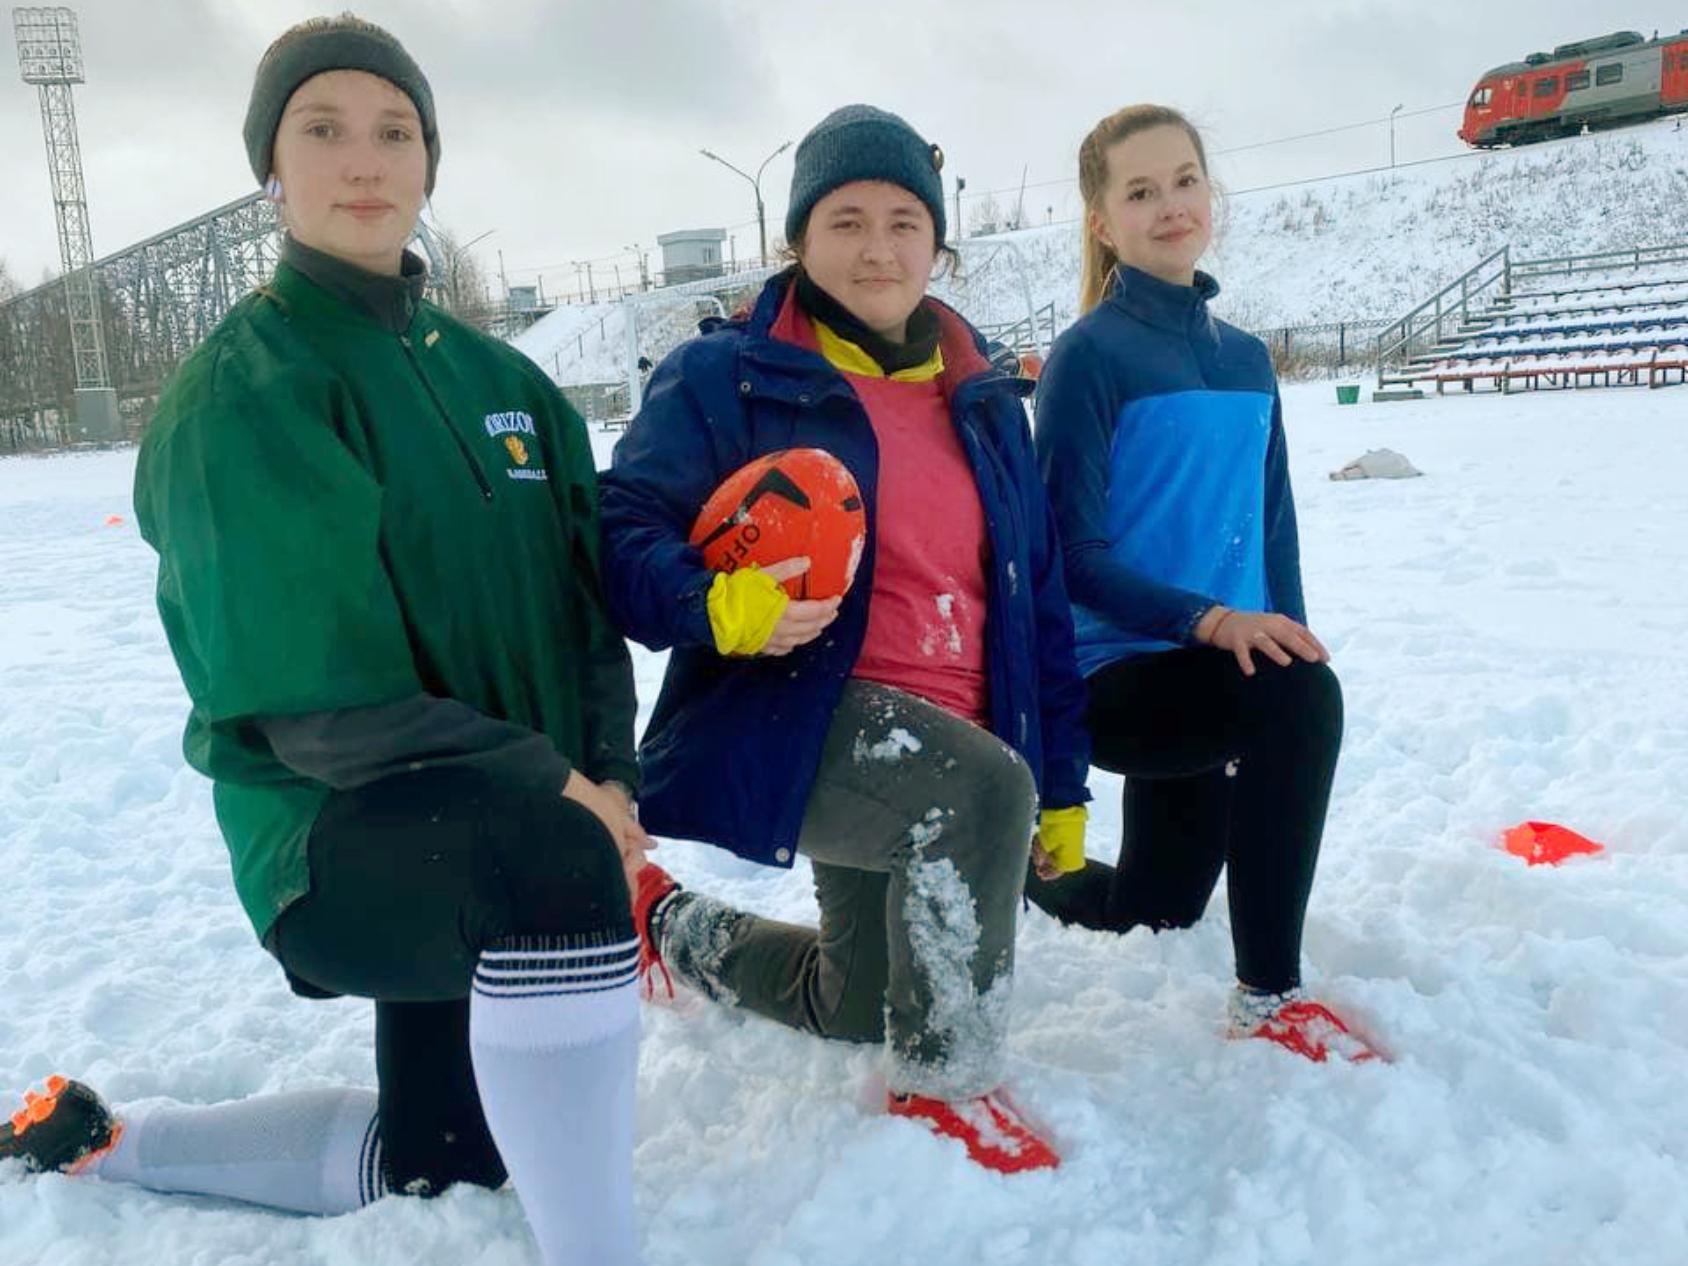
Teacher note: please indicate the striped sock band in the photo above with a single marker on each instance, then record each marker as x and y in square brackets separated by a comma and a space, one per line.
[372, 1182]
[554, 1032]
[594, 971]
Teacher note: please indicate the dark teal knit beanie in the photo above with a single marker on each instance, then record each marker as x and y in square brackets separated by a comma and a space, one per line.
[331, 44]
[860, 142]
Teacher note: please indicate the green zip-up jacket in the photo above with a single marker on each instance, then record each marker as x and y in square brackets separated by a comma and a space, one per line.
[352, 513]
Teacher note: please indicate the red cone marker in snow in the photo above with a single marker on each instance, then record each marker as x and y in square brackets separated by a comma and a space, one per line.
[114, 520]
[1547, 843]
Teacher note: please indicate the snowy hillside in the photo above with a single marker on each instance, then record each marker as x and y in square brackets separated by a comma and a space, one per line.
[587, 343]
[1508, 631]
[578, 343]
[1373, 246]
[1350, 248]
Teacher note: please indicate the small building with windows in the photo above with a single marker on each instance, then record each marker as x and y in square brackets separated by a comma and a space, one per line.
[692, 255]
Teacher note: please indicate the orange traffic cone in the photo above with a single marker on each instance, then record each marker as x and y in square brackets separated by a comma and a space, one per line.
[1546, 843]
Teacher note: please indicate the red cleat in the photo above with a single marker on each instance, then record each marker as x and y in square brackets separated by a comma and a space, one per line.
[995, 1134]
[654, 885]
[1310, 1029]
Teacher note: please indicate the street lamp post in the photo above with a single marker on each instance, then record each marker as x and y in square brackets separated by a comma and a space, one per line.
[756, 184]
[1392, 115]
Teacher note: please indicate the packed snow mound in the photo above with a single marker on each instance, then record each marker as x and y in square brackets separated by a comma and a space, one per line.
[1378, 463]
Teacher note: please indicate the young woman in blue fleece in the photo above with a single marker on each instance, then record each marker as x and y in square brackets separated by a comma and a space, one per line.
[1161, 441]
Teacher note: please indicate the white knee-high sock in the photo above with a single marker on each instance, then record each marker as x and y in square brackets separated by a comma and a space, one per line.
[554, 1035]
[306, 1151]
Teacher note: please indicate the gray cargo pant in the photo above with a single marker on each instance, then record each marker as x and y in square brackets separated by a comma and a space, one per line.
[918, 829]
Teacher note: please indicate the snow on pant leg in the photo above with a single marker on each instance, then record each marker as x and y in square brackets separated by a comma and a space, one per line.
[944, 809]
[305, 1151]
[422, 881]
[918, 826]
[830, 981]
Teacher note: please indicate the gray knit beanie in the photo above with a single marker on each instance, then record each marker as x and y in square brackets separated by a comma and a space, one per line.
[324, 44]
[859, 142]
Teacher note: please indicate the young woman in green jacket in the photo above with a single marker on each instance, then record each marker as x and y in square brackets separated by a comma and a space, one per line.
[377, 543]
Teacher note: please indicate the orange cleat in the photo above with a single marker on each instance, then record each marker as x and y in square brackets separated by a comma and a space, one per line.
[995, 1134]
[1309, 1029]
[61, 1131]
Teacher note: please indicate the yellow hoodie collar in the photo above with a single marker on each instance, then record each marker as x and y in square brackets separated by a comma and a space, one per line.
[848, 358]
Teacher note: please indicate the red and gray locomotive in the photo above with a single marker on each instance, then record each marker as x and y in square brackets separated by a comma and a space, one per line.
[1606, 82]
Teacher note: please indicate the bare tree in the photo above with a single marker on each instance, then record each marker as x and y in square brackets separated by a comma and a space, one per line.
[463, 284]
[9, 286]
[985, 217]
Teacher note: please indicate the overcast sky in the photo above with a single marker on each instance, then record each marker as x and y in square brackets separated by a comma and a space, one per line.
[571, 127]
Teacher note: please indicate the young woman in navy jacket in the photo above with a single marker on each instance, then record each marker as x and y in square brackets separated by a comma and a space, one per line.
[908, 739]
[1161, 441]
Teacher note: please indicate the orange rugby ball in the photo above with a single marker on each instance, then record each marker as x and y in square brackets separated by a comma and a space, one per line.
[794, 503]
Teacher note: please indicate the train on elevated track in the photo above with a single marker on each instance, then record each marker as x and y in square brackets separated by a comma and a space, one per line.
[1610, 81]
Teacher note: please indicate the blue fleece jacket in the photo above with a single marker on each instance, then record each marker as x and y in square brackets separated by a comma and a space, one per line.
[1161, 442]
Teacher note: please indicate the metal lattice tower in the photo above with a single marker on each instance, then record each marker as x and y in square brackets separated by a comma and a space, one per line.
[50, 56]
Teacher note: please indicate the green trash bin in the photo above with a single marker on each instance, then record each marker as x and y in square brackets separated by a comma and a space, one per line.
[1347, 393]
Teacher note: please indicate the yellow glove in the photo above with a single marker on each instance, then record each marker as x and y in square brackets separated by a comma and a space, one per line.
[1061, 832]
[744, 606]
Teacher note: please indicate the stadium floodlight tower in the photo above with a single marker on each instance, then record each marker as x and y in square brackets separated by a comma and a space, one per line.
[50, 56]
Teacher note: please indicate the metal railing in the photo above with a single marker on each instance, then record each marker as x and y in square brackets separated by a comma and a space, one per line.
[1033, 332]
[1426, 325]
[1402, 339]
[1333, 344]
[1600, 261]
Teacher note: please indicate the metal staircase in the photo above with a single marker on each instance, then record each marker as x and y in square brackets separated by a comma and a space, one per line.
[1614, 318]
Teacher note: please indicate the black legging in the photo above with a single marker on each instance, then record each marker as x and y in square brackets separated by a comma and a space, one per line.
[411, 877]
[1221, 770]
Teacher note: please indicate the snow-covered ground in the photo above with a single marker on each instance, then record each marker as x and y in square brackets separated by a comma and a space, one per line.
[1509, 632]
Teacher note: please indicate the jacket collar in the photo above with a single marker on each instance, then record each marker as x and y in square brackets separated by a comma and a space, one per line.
[1149, 299]
[774, 367]
[390, 302]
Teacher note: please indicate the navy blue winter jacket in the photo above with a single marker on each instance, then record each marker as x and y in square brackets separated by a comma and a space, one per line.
[733, 745]
[1160, 437]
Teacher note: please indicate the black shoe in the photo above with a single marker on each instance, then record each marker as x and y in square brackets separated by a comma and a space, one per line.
[59, 1131]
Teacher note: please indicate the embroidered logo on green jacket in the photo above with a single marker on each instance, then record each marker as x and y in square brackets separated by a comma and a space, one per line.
[512, 425]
